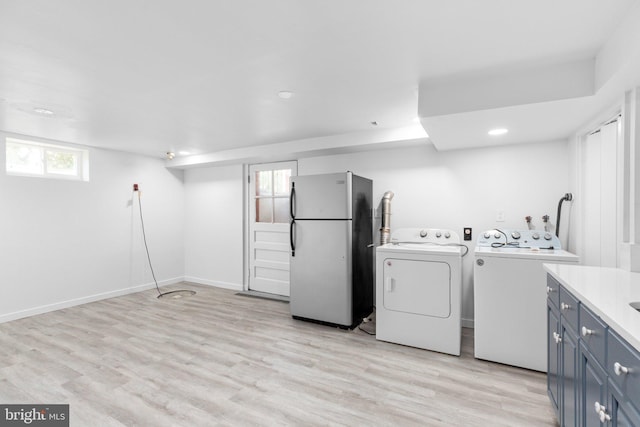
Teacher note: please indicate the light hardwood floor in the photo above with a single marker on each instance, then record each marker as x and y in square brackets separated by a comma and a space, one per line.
[217, 358]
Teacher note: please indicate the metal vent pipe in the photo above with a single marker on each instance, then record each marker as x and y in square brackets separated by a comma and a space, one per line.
[385, 230]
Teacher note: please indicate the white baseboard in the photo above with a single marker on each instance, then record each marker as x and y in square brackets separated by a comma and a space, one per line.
[467, 323]
[84, 300]
[214, 283]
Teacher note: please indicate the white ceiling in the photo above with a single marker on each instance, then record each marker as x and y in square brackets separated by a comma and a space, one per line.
[203, 76]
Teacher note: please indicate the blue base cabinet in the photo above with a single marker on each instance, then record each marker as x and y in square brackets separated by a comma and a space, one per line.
[563, 380]
[593, 375]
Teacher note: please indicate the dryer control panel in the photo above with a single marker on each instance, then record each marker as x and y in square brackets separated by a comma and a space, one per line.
[509, 238]
[424, 235]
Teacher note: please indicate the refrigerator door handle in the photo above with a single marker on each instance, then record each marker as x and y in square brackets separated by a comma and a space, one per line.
[292, 237]
[292, 197]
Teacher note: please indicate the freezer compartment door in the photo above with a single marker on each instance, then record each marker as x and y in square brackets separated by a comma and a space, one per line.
[325, 196]
[321, 272]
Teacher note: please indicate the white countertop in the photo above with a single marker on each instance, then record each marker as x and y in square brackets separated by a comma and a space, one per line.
[607, 292]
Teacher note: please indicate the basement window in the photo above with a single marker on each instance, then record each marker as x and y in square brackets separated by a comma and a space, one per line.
[30, 158]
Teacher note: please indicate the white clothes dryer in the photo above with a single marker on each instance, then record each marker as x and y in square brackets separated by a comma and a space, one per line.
[419, 289]
[510, 294]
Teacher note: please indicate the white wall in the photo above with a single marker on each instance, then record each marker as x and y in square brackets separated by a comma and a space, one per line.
[452, 189]
[66, 242]
[214, 204]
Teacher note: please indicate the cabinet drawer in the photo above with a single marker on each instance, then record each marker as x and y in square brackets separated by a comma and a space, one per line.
[619, 352]
[569, 308]
[553, 291]
[593, 333]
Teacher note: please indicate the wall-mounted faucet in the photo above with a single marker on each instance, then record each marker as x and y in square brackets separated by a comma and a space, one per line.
[528, 218]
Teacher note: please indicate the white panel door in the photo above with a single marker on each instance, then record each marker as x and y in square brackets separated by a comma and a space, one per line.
[269, 227]
[600, 197]
[609, 196]
[591, 202]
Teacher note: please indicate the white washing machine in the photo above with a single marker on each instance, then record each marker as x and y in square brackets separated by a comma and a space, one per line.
[419, 289]
[510, 293]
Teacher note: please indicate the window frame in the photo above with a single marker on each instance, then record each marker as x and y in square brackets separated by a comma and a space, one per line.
[81, 155]
[272, 196]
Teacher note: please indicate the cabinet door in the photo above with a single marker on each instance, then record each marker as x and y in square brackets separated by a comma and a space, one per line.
[570, 380]
[622, 412]
[623, 367]
[594, 387]
[553, 353]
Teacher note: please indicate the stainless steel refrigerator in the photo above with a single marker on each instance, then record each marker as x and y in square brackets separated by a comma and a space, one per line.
[331, 248]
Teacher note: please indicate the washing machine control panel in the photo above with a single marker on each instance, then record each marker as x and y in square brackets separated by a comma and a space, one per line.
[424, 235]
[534, 239]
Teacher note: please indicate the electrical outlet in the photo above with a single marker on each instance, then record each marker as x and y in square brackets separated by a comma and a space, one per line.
[467, 233]
[500, 216]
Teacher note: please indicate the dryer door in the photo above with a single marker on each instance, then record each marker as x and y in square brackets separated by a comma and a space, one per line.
[417, 287]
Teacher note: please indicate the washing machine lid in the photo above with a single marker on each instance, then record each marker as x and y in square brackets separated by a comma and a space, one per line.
[550, 255]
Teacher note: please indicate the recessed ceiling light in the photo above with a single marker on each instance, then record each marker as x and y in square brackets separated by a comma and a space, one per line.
[285, 94]
[170, 155]
[499, 131]
[43, 111]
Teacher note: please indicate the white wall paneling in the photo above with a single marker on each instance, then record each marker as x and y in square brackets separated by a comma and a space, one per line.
[214, 206]
[66, 243]
[599, 195]
[69, 242]
[453, 189]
